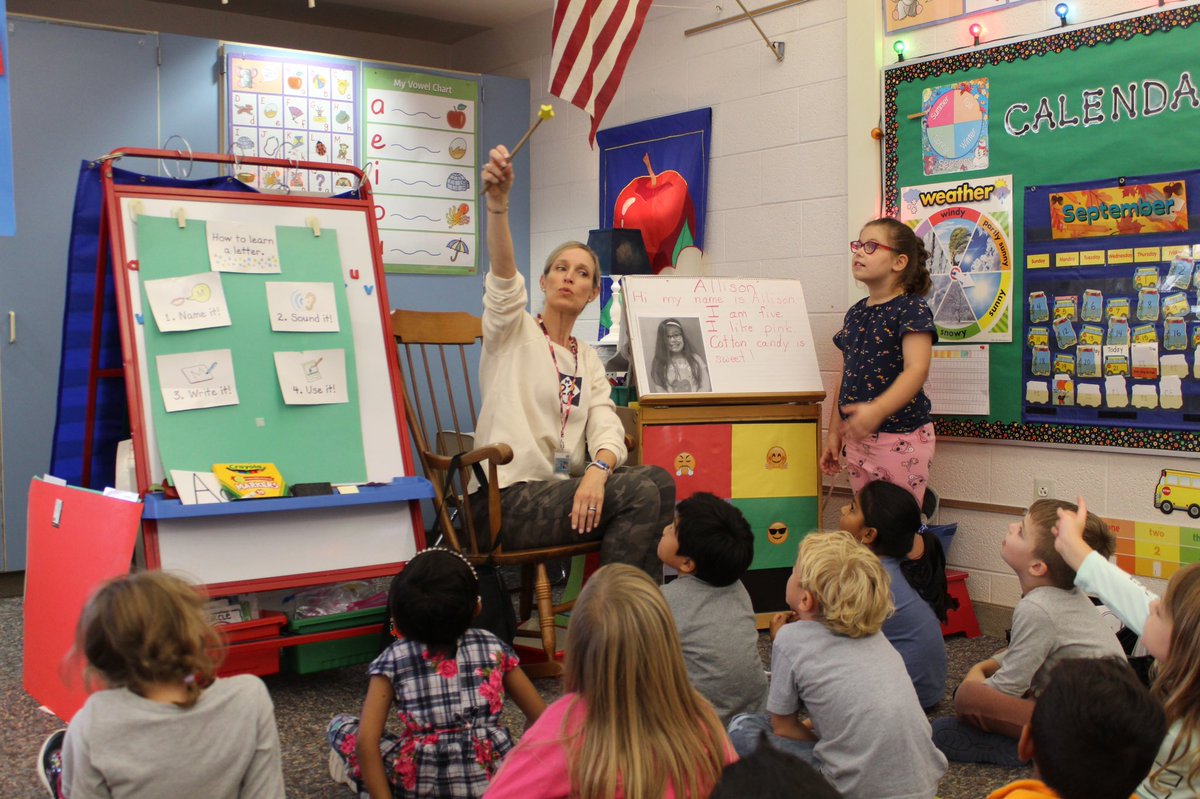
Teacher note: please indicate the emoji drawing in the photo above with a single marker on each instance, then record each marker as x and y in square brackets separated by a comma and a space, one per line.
[685, 464]
[776, 458]
[777, 533]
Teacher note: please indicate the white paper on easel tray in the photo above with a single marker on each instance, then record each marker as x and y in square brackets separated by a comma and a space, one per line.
[193, 302]
[193, 380]
[312, 377]
[249, 249]
[197, 488]
[302, 307]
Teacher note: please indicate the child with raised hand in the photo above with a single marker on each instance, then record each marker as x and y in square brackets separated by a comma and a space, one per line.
[882, 421]
[866, 732]
[1170, 631]
[1054, 620]
[711, 545]
[886, 518]
[165, 725]
[446, 682]
[1093, 734]
[630, 724]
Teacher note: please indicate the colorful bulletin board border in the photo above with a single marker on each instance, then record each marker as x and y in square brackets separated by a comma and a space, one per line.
[420, 142]
[295, 106]
[1025, 80]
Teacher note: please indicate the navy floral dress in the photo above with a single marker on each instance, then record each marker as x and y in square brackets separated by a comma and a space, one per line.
[450, 741]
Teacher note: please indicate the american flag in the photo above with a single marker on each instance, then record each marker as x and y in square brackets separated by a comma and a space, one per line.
[592, 43]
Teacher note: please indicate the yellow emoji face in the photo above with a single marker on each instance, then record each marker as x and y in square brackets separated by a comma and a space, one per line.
[777, 533]
[685, 464]
[776, 458]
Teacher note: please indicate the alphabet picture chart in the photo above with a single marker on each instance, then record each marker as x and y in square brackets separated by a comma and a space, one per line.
[1118, 258]
[292, 106]
[420, 153]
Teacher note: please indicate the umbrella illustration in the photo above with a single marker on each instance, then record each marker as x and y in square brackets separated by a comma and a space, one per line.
[457, 246]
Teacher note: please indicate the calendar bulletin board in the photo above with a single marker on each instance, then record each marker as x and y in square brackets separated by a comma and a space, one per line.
[1100, 111]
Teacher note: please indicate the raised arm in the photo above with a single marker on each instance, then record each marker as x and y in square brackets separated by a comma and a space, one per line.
[498, 179]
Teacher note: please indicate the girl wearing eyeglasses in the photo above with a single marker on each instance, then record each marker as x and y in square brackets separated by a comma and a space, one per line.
[882, 424]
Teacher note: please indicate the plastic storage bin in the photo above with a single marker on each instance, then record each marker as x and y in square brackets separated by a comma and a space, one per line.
[310, 658]
[262, 662]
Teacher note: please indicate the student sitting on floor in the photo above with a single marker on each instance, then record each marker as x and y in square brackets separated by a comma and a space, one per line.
[165, 725]
[631, 724]
[1093, 734]
[886, 518]
[1054, 620]
[866, 732]
[711, 546]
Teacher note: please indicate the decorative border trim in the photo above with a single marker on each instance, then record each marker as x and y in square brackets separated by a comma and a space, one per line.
[1078, 435]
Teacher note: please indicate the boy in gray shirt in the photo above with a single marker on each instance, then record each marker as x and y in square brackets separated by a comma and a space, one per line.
[711, 546]
[1053, 621]
[865, 731]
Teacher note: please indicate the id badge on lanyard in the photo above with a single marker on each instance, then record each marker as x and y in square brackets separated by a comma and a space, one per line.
[562, 458]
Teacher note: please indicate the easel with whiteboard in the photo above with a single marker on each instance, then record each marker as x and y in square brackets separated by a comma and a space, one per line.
[327, 258]
[754, 437]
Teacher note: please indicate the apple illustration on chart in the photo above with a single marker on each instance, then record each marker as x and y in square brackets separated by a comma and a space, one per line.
[661, 207]
[457, 117]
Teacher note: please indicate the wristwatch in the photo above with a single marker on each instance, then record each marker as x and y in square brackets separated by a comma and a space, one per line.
[601, 464]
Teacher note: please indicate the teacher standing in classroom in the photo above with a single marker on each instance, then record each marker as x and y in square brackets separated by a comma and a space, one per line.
[547, 397]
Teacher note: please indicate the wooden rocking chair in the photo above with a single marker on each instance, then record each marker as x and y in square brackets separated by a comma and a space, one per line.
[441, 406]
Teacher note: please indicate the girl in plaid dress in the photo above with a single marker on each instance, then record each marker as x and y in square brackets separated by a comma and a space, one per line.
[446, 682]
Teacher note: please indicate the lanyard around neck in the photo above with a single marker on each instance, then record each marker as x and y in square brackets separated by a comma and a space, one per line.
[564, 392]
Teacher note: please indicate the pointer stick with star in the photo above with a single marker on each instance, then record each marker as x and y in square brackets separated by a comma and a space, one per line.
[544, 113]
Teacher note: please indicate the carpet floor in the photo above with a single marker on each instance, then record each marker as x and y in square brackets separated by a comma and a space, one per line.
[305, 703]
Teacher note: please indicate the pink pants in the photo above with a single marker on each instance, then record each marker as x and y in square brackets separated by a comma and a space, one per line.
[900, 458]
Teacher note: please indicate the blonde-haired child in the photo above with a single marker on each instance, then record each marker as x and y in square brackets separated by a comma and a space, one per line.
[866, 732]
[1170, 631]
[165, 725]
[630, 725]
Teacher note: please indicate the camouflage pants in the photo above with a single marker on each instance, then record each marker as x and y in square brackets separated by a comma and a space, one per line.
[639, 501]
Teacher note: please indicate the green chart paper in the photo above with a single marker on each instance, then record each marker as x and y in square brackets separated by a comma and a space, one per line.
[308, 443]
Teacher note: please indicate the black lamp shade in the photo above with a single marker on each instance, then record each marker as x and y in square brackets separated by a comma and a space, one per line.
[621, 251]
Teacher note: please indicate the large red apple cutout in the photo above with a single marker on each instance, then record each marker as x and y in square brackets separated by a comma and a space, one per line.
[660, 206]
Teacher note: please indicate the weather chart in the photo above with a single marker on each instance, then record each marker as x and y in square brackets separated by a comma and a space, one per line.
[966, 225]
[292, 106]
[420, 149]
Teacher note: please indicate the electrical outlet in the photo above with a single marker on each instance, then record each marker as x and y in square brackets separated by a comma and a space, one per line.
[1043, 488]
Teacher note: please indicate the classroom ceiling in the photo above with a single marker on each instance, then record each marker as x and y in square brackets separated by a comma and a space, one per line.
[438, 21]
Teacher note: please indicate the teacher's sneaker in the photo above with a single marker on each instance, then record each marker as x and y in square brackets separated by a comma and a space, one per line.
[49, 763]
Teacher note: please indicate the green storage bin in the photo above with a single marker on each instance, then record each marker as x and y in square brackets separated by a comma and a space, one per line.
[324, 655]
